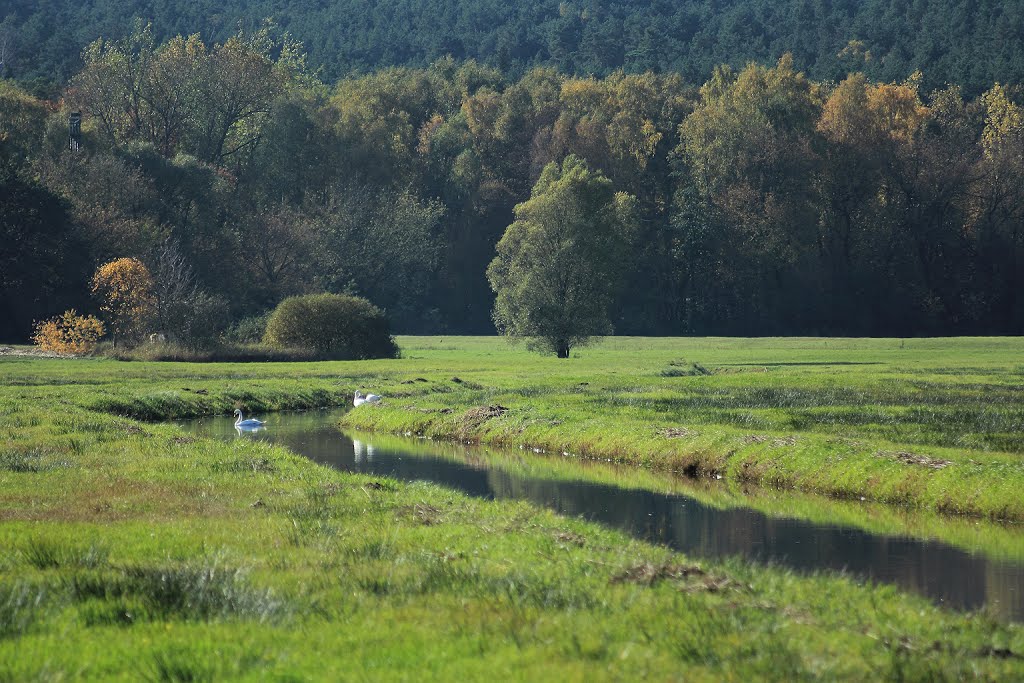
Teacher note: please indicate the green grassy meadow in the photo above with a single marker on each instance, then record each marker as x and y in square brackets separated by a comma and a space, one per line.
[929, 423]
[131, 550]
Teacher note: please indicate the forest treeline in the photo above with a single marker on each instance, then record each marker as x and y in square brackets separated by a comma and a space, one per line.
[767, 202]
[973, 43]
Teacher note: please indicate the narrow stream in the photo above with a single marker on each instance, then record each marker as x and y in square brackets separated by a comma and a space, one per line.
[946, 574]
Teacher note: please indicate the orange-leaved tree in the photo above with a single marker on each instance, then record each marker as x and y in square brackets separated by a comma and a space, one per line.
[68, 333]
[125, 290]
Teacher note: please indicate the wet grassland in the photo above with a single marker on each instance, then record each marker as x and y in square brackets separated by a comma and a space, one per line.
[131, 550]
[927, 423]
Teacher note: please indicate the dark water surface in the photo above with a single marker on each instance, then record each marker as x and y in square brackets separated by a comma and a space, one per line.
[946, 574]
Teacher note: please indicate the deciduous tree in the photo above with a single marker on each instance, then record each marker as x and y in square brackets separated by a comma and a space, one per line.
[559, 265]
[125, 290]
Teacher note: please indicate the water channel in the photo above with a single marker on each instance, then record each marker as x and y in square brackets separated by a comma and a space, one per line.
[671, 513]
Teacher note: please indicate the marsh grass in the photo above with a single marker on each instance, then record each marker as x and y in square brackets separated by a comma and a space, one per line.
[347, 577]
[193, 592]
[246, 464]
[22, 461]
[38, 458]
[21, 605]
[226, 353]
[178, 665]
[42, 553]
[680, 369]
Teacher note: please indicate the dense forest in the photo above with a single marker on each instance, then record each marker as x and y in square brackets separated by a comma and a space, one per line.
[972, 43]
[768, 202]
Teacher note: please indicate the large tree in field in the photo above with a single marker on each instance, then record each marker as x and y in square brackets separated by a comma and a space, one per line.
[560, 264]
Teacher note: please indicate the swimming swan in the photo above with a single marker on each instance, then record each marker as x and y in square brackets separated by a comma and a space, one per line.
[369, 398]
[246, 424]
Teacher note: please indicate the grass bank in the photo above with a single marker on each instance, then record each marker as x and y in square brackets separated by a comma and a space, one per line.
[929, 423]
[134, 551]
[994, 540]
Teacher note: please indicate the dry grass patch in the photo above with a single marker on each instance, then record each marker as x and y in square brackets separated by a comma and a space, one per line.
[648, 574]
[422, 513]
[113, 501]
[915, 459]
[570, 538]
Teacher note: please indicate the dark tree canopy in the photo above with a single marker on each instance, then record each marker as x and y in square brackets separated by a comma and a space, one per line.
[42, 262]
[969, 42]
[767, 201]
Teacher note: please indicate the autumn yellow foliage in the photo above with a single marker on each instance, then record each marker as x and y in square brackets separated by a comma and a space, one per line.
[68, 333]
[1003, 120]
[125, 290]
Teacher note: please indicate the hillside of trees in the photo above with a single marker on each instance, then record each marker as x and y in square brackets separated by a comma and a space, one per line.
[767, 202]
[971, 43]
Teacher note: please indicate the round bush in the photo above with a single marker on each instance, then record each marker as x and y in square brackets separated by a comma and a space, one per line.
[337, 325]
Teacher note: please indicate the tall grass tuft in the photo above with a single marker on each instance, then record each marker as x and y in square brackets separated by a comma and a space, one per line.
[178, 665]
[224, 353]
[203, 593]
[20, 606]
[34, 459]
[245, 464]
[47, 554]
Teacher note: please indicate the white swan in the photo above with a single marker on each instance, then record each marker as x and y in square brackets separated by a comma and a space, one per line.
[246, 424]
[368, 398]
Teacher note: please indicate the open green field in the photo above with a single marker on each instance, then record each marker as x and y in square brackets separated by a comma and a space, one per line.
[932, 423]
[131, 550]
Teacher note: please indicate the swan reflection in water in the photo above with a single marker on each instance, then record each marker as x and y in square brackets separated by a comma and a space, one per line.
[249, 430]
[364, 452]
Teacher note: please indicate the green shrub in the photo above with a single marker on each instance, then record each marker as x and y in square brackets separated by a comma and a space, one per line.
[336, 325]
[196, 322]
[247, 330]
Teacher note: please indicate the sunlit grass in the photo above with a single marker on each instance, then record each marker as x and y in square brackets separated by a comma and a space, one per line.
[130, 550]
[929, 423]
[995, 540]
